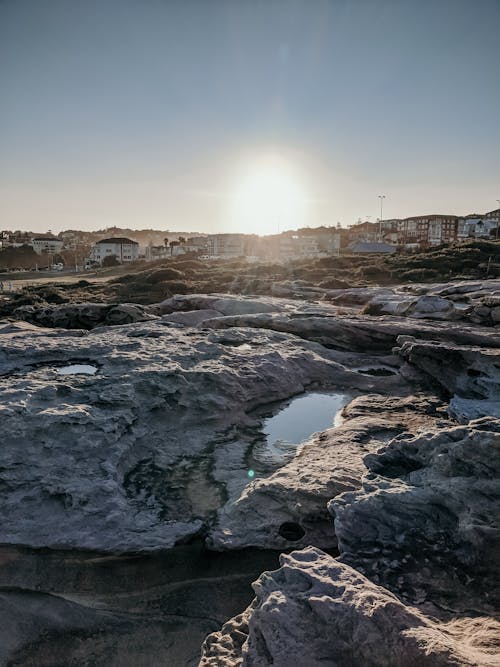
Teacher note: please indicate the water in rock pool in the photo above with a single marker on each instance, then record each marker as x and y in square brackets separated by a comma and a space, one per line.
[294, 424]
[78, 369]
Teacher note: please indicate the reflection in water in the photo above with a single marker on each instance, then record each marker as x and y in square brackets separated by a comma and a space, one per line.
[78, 369]
[292, 426]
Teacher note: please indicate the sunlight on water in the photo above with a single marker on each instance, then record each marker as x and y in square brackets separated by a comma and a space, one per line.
[78, 369]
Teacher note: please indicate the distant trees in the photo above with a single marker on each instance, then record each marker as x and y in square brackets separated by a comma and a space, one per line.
[23, 257]
[172, 245]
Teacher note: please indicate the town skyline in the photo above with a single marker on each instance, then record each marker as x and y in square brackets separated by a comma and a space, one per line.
[167, 114]
[185, 230]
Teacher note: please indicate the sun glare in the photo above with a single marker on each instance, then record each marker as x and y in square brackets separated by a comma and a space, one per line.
[268, 198]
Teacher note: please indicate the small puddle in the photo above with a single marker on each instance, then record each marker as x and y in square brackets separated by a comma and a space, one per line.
[295, 424]
[78, 369]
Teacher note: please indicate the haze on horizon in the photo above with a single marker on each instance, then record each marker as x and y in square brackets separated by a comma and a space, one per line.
[245, 116]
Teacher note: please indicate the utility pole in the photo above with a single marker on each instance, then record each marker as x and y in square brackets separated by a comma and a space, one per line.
[381, 197]
[498, 221]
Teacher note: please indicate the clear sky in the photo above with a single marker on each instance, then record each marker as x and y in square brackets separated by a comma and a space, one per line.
[246, 115]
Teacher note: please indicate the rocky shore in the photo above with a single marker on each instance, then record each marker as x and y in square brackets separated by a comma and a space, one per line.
[136, 508]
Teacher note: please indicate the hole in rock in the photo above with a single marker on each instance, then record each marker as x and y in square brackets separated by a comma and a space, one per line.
[291, 531]
[78, 369]
[377, 371]
[473, 373]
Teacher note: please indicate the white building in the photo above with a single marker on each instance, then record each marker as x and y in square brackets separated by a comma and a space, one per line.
[47, 245]
[225, 246]
[125, 250]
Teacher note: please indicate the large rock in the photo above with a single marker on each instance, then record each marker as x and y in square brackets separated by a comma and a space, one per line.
[426, 522]
[318, 612]
[359, 333]
[289, 508]
[140, 454]
[474, 302]
[470, 374]
[76, 608]
[224, 304]
[84, 315]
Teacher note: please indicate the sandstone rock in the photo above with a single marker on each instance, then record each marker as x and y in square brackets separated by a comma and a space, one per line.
[76, 608]
[84, 315]
[225, 304]
[495, 314]
[466, 372]
[425, 522]
[289, 508]
[378, 334]
[191, 318]
[316, 611]
[141, 454]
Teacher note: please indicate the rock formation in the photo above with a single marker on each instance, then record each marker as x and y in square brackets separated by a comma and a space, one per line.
[150, 456]
[316, 611]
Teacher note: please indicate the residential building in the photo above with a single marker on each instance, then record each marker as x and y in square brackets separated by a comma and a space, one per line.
[428, 230]
[364, 247]
[225, 246]
[154, 252]
[125, 250]
[364, 231]
[46, 245]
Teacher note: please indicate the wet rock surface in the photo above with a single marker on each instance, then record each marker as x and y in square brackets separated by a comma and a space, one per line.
[82, 608]
[151, 464]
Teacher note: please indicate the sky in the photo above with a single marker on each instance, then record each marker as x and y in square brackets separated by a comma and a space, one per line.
[246, 115]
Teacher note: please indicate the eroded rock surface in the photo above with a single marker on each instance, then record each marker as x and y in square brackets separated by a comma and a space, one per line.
[141, 454]
[316, 611]
[469, 301]
[152, 453]
[470, 374]
[85, 315]
[289, 508]
[426, 519]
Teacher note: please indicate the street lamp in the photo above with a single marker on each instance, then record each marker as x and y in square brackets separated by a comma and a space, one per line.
[381, 197]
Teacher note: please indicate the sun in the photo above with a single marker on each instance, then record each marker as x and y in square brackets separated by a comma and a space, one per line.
[268, 198]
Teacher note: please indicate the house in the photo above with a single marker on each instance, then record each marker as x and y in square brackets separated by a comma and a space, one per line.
[225, 246]
[364, 231]
[46, 245]
[154, 252]
[125, 250]
[479, 226]
[363, 247]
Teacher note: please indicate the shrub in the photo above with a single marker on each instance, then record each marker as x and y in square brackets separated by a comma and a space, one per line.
[334, 283]
[417, 275]
[160, 275]
[110, 260]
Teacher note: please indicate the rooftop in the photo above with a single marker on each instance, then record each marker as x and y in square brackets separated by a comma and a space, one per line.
[121, 240]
